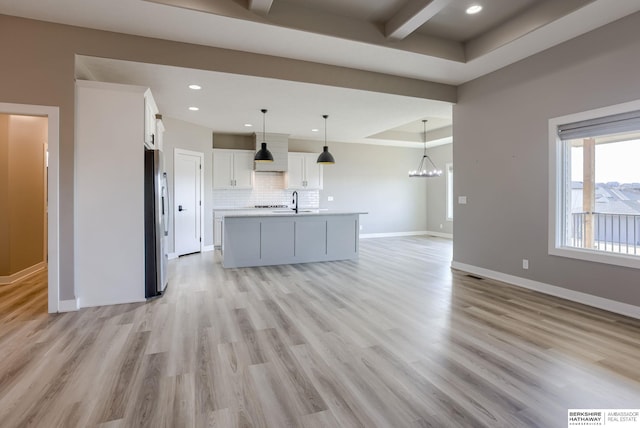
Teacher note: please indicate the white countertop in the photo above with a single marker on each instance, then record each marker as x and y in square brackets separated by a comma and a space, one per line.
[283, 212]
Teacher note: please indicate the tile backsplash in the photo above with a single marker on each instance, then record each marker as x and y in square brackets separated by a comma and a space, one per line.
[268, 189]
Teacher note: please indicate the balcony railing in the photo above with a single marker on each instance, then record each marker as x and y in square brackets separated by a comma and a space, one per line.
[617, 233]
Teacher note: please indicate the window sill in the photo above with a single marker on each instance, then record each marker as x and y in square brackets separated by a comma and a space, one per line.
[614, 259]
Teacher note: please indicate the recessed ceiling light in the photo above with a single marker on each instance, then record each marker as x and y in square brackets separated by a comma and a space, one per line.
[194, 108]
[472, 10]
[315, 130]
[248, 125]
[195, 87]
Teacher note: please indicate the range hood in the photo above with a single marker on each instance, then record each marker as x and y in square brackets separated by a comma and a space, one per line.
[278, 145]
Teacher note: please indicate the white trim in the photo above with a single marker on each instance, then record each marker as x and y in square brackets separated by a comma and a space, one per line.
[392, 234]
[449, 195]
[24, 273]
[440, 234]
[53, 192]
[89, 303]
[564, 293]
[68, 305]
[172, 256]
[208, 248]
[555, 245]
[176, 151]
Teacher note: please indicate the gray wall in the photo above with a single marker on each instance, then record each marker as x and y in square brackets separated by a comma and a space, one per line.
[365, 177]
[40, 70]
[437, 191]
[501, 156]
[374, 179]
[187, 136]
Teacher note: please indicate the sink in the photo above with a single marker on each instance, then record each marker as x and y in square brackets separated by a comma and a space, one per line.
[293, 212]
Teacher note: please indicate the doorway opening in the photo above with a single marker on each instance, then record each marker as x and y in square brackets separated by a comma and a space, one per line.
[30, 149]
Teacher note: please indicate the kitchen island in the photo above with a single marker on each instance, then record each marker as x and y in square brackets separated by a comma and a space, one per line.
[285, 237]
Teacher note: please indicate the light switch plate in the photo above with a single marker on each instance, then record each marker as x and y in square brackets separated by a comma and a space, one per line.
[462, 200]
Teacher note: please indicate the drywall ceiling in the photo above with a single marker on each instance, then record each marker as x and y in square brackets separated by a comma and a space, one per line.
[429, 40]
[227, 102]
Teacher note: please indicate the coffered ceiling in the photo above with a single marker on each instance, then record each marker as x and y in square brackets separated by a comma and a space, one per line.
[429, 40]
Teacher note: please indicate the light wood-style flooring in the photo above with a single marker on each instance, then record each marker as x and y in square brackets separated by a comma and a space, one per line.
[395, 339]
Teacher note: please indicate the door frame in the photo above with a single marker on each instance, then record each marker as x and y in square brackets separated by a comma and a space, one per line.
[52, 113]
[176, 152]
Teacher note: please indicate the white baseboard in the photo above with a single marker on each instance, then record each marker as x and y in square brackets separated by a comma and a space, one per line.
[205, 249]
[392, 234]
[440, 234]
[90, 303]
[24, 273]
[414, 233]
[564, 293]
[68, 305]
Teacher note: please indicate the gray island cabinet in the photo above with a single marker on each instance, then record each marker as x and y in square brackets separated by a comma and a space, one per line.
[262, 239]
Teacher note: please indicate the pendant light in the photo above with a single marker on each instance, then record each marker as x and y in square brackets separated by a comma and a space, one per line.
[263, 155]
[422, 168]
[325, 157]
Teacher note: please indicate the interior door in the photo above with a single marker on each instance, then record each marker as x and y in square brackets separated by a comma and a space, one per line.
[187, 201]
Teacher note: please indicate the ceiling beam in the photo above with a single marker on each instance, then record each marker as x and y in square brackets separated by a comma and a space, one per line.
[411, 16]
[261, 7]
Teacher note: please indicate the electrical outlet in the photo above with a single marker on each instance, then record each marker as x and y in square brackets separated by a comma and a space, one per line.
[525, 264]
[330, 198]
[462, 200]
[360, 227]
[440, 226]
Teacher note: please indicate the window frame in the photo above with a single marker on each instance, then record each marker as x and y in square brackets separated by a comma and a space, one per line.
[558, 176]
[449, 189]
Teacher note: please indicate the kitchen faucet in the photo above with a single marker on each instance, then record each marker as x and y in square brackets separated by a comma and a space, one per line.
[295, 201]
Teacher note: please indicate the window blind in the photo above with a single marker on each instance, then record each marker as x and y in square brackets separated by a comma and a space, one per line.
[607, 125]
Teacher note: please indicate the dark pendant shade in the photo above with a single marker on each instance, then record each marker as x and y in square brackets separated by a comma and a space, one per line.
[263, 155]
[325, 156]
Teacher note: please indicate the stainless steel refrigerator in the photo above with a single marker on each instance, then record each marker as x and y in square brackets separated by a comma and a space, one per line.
[156, 223]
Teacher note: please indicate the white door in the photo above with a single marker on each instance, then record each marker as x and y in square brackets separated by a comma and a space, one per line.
[187, 206]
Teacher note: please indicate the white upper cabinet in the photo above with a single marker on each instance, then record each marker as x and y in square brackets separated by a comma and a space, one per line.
[159, 138]
[150, 126]
[304, 172]
[232, 169]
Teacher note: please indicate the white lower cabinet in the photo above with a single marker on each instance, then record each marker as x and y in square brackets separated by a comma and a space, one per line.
[217, 231]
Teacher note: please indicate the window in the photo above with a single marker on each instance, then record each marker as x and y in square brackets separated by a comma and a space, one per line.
[594, 212]
[449, 169]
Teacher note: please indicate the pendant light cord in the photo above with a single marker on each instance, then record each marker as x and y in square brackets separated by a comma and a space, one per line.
[325, 116]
